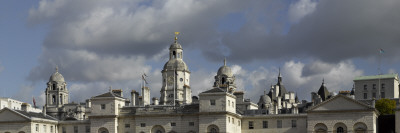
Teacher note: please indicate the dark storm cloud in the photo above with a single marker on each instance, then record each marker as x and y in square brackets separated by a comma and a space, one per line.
[337, 30]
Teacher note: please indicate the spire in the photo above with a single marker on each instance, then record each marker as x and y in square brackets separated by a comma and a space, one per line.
[225, 61]
[56, 68]
[279, 72]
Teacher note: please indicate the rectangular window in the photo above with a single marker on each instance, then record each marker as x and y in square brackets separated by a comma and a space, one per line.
[229, 120]
[265, 124]
[382, 94]
[87, 129]
[37, 127]
[142, 124]
[127, 125]
[383, 86]
[373, 86]
[251, 126]
[75, 129]
[238, 122]
[44, 128]
[365, 87]
[233, 104]
[51, 129]
[279, 123]
[233, 120]
[191, 123]
[64, 130]
[212, 102]
[374, 95]
[173, 124]
[294, 123]
[103, 106]
[365, 95]
[229, 103]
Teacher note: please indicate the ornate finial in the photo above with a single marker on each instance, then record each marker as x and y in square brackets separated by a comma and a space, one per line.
[176, 36]
[56, 68]
[225, 61]
[323, 81]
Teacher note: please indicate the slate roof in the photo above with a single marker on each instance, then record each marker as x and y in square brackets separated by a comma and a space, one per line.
[109, 94]
[385, 76]
[214, 90]
[34, 115]
[323, 92]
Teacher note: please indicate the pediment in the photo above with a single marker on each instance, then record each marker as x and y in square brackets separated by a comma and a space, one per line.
[8, 115]
[340, 102]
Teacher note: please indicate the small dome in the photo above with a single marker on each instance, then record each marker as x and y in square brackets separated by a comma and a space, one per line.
[176, 64]
[57, 77]
[265, 99]
[225, 70]
[175, 46]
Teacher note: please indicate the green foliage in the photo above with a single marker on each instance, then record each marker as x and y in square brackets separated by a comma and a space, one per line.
[385, 106]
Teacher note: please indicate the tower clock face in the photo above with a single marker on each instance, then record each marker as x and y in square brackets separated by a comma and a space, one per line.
[170, 80]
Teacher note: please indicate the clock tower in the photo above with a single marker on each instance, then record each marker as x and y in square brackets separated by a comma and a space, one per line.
[175, 88]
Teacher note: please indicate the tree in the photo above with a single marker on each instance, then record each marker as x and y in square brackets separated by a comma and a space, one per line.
[385, 106]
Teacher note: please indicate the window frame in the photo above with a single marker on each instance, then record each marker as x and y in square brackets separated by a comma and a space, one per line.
[278, 123]
[265, 124]
[251, 125]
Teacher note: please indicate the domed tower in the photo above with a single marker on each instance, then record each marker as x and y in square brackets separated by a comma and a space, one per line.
[56, 91]
[225, 79]
[176, 78]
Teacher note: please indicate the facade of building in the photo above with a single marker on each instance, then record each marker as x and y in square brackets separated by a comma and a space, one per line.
[221, 109]
[377, 86]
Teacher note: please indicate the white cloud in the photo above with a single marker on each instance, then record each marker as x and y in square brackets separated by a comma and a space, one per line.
[300, 9]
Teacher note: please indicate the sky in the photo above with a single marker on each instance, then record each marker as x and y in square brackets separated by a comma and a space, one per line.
[100, 43]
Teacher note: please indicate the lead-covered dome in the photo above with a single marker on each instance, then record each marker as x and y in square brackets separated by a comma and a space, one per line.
[225, 70]
[176, 64]
[56, 77]
[265, 99]
[175, 46]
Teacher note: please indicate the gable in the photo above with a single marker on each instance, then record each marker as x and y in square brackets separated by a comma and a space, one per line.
[7, 115]
[340, 103]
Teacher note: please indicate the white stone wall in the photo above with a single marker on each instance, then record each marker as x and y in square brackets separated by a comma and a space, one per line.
[42, 128]
[223, 102]
[208, 119]
[112, 106]
[10, 103]
[15, 127]
[109, 123]
[391, 88]
[301, 123]
[182, 123]
[348, 118]
[69, 127]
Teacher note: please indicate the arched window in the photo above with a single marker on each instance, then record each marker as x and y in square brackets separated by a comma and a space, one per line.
[54, 86]
[174, 54]
[103, 130]
[320, 128]
[54, 99]
[61, 98]
[360, 127]
[340, 130]
[212, 129]
[223, 80]
[157, 129]
[21, 132]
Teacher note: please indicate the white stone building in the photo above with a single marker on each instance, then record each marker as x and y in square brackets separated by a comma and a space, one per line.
[377, 86]
[221, 109]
